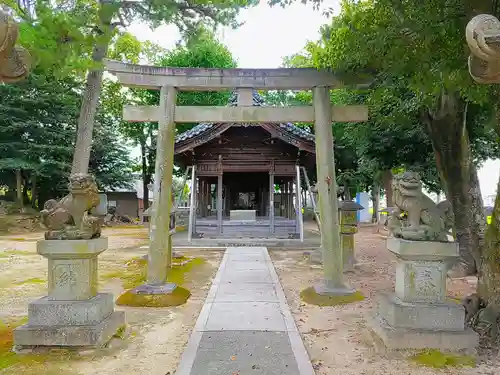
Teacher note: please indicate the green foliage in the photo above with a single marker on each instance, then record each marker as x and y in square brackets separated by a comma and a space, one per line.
[37, 131]
[414, 51]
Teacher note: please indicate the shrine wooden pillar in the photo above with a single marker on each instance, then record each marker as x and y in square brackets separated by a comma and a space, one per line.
[208, 198]
[271, 202]
[289, 199]
[199, 195]
[298, 199]
[263, 202]
[219, 202]
[282, 203]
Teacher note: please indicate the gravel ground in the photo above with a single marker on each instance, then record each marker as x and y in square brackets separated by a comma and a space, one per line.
[337, 338]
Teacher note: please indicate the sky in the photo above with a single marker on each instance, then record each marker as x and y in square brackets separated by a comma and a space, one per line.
[270, 34]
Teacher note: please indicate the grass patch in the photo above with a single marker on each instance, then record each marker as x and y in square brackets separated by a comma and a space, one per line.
[436, 359]
[33, 280]
[178, 297]
[310, 296]
[37, 362]
[134, 272]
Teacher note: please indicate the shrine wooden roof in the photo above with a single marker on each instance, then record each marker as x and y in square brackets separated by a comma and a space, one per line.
[299, 137]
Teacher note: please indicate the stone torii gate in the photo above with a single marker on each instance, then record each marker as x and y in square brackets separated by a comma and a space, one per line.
[171, 80]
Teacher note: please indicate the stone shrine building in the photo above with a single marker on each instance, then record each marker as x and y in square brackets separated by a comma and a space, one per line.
[247, 176]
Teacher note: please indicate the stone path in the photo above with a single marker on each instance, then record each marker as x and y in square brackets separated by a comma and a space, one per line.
[245, 326]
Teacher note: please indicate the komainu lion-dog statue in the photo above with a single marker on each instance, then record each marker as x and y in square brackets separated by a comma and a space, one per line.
[69, 218]
[416, 217]
[483, 37]
[15, 61]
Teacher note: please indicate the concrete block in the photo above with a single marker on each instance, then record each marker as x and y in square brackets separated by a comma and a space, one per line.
[246, 265]
[405, 338]
[446, 316]
[422, 250]
[246, 276]
[45, 312]
[244, 352]
[245, 316]
[28, 336]
[250, 258]
[258, 292]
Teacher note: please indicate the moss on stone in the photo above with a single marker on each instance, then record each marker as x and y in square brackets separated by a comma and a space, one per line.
[310, 296]
[178, 297]
[436, 359]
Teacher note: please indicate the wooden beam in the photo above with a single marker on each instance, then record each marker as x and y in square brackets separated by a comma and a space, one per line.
[197, 114]
[202, 79]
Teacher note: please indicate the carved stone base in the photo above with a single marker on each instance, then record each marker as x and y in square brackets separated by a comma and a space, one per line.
[44, 312]
[441, 316]
[95, 335]
[406, 338]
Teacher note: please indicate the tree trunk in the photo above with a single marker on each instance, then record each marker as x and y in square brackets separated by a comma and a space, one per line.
[34, 191]
[91, 93]
[489, 273]
[376, 202]
[26, 198]
[19, 187]
[450, 141]
[387, 182]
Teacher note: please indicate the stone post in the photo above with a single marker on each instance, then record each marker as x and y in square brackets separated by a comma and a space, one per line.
[159, 256]
[73, 314]
[192, 205]
[333, 283]
[348, 228]
[160, 248]
[419, 315]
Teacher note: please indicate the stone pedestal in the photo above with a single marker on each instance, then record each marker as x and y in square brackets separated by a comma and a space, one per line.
[419, 315]
[73, 314]
[348, 228]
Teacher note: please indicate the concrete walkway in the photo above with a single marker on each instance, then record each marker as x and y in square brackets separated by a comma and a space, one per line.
[245, 326]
